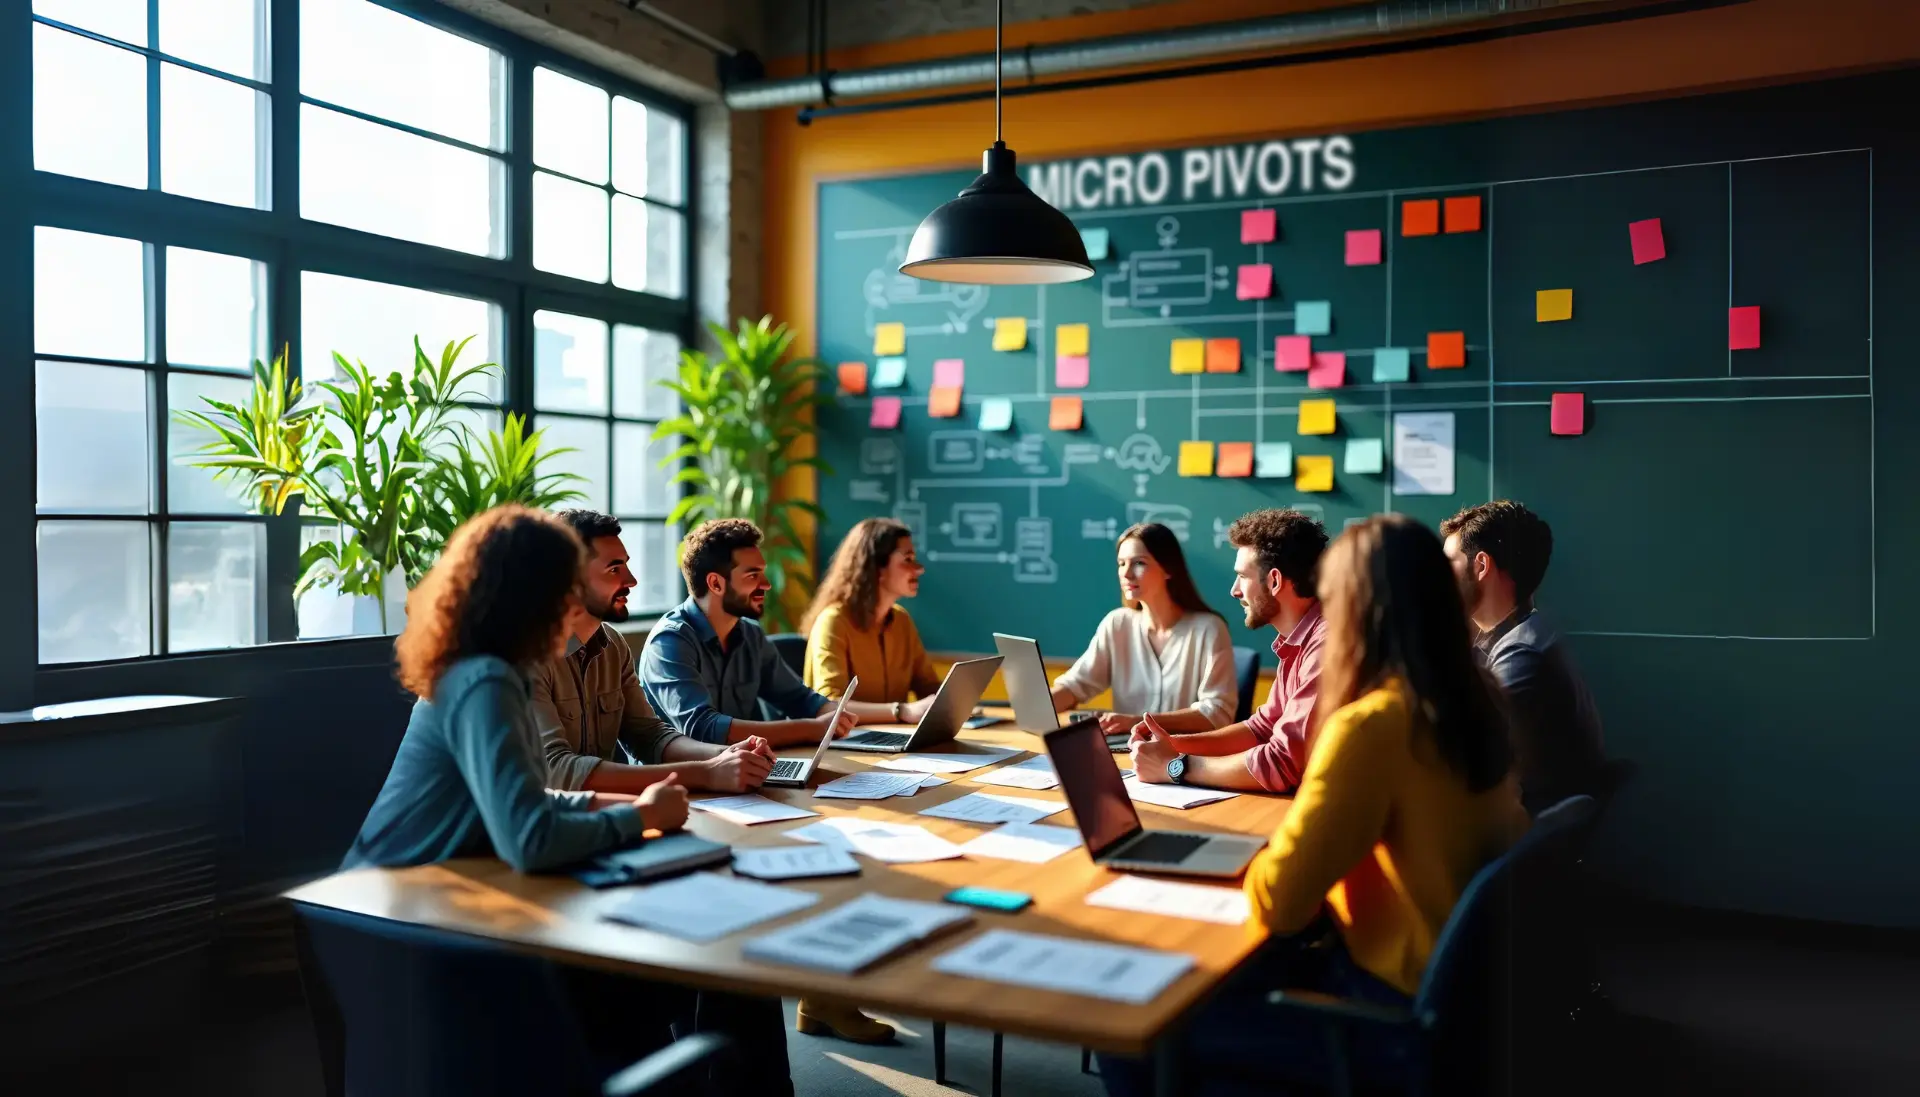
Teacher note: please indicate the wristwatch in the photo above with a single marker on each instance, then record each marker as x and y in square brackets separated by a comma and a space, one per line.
[899, 716]
[1177, 770]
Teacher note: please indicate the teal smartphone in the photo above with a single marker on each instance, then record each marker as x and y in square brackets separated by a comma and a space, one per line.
[990, 899]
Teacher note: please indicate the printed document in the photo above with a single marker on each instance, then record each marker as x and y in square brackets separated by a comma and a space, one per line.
[1117, 973]
[894, 843]
[793, 862]
[870, 785]
[946, 763]
[1034, 843]
[706, 907]
[1174, 796]
[749, 809]
[1225, 905]
[855, 934]
[985, 807]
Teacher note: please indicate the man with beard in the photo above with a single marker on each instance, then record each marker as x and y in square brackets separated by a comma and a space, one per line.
[1276, 554]
[590, 706]
[707, 667]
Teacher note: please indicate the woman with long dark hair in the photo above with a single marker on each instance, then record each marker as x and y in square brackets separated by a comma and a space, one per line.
[1164, 652]
[1407, 794]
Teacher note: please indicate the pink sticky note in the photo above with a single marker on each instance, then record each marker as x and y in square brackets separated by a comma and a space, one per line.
[1569, 413]
[1329, 370]
[1070, 371]
[1293, 353]
[1363, 247]
[1257, 226]
[886, 413]
[1743, 328]
[1649, 243]
[949, 373]
[1256, 282]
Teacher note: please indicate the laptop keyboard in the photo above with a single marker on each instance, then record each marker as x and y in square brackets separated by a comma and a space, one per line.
[787, 767]
[879, 738]
[1162, 848]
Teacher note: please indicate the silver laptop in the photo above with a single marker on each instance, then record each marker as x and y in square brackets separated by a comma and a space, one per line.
[1031, 692]
[1111, 827]
[794, 772]
[951, 707]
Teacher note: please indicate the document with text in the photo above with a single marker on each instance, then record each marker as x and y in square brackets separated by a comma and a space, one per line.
[1118, 973]
[705, 907]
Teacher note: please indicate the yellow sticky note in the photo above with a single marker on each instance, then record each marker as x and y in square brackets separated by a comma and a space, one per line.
[1189, 356]
[1553, 304]
[889, 338]
[1070, 339]
[1010, 333]
[1196, 458]
[1313, 472]
[1316, 417]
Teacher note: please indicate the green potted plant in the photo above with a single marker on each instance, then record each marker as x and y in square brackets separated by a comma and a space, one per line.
[743, 414]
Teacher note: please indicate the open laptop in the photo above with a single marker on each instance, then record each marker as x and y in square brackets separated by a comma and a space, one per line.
[1031, 692]
[1111, 827]
[794, 772]
[951, 707]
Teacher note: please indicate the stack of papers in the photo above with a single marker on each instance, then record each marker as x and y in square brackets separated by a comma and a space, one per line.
[1225, 905]
[893, 843]
[1173, 796]
[947, 763]
[871, 785]
[1035, 773]
[794, 862]
[985, 807]
[855, 934]
[1117, 973]
[1034, 843]
[749, 809]
[706, 907]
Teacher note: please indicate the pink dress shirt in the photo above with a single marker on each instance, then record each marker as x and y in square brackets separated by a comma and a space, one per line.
[1281, 724]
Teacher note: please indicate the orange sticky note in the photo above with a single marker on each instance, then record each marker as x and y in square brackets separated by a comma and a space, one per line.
[1236, 459]
[1420, 217]
[1568, 414]
[1463, 214]
[1223, 356]
[853, 378]
[943, 402]
[1446, 349]
[1064, 414]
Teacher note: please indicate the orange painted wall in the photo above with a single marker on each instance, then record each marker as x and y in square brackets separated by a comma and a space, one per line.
[1761, 41]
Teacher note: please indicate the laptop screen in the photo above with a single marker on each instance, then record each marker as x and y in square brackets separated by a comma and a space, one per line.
[1092, 782]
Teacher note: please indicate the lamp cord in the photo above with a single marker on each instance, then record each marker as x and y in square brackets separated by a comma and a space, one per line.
[999, 10]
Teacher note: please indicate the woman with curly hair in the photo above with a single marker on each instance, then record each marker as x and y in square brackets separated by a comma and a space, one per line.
[856, 627]
[470, 777]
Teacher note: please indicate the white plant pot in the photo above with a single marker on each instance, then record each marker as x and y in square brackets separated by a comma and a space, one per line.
[366, 608]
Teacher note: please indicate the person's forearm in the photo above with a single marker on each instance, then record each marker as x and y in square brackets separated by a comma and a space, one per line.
[632, 780]
[1184, 721]
[1064, 699]
[872, 712]
[778, 733]
[686, 748]
[1228, 773]
[1219, 742]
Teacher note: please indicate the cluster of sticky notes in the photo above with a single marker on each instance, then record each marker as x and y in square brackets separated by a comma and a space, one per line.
[1363, 247]
[1255, 282]
[1431, 216]
[1259, 226]
[1010, 333]
[889, 338]
[949, 379]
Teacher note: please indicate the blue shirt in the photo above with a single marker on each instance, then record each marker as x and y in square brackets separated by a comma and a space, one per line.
[1556, 725]
[701, 689]
[469, 780]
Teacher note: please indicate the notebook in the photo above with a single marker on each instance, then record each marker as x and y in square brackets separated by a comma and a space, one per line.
[652, 860]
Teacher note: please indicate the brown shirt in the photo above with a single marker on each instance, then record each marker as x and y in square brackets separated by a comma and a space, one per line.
[588, 704]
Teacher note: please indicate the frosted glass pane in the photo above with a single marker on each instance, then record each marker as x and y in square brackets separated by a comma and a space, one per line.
[649, 247]
[366, 176]
[229, 35]
[361, 55]
[569, 126]
[96, 590]
[323, 613]
[122, 19]
[210, 146]
[649, 152]
[375, 323]
[216, 309]
[89, 108]
[92, 439]
[588, 439]
[656, 566]
[569, 228]
[193, 490]
[640, 485]
[641, 359]
[89, 295]
[214, 584]
[569, 363]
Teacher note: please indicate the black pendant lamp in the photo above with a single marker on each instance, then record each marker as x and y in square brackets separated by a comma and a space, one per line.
[997, 232]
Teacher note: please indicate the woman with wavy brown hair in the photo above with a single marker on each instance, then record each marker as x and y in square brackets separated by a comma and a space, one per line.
[469, 778]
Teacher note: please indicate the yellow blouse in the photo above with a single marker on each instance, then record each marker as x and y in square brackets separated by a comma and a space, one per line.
[890, 661]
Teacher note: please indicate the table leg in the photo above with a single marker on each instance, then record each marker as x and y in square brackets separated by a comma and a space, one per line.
[329, 1028]
[940, 1052]
[996, 1064]
[1166, 1065]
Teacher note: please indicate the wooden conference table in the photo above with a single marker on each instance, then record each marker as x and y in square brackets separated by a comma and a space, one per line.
[558, 918]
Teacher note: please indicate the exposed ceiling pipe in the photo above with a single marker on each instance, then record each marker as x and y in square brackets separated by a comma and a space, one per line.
[681, 27]
[1282, 32]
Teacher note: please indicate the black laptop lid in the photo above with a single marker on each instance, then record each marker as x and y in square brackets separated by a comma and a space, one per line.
[1095, 791]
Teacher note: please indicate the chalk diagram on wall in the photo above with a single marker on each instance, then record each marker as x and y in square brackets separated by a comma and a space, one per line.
[926, 308]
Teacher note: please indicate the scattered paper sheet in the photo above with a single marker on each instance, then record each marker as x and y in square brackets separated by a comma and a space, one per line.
[1258, 226]
[1188, 356]
[1196, 458]
[1391, 364]
[949, 373]
[943, 403]
[1010, 333]
[1568, 413]
[1273, 460]
[1649, 242]
[1313, 472]
[1420, 217]
[1423, 453]
[1173, 796]
[1236, 459]
[1293, 353]
[1743, 328]
[1070, 339]
[987, 807]
[1096, 242]
[946, 763]
[1550, 305]
[889, 338]
[1365, 457]
[894, 843]
[1317, 416]
[793, 862]
[1463, 214]
[853, 378]
[1329, 370]
[1223, 356]
[885, 414]
[1363, 247]
[1116, 973]
[749, 808]
[855, 934]
[930, 780]
[1201, 902]
[1446, 349]
[1254, 282]
[1065, 413]
[1034, 843]
[1312, 317]
[1070, 371]
[705, 906]
[996, 413]
[870, 785]
[1020, 777]
[889, 373]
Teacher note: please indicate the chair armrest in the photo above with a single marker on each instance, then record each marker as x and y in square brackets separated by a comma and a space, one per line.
[1345, 1009]
[666, 1064]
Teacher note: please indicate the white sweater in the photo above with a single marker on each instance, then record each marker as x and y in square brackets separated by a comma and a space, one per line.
[1195, 669]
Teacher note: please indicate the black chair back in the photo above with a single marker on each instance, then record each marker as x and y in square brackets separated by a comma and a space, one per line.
[1246, 667]
[793, 650]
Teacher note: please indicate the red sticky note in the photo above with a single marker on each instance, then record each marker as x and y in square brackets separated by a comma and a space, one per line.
[1649, 242]
[1070, 371]
[1363, 247]
[1235, 459]
[1293, 353]
[1064, 413]
[1223, 356]
[886, 413]
[1257, 226]
[1446, 349]
[1256, 282]
[949, 373]
[1743, 328]
[943, 402]
[1569, 413]
[1420, 217]
[853, 378]
[1463, 214]
[1329, 370]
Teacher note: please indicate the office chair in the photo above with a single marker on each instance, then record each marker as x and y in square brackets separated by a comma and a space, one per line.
[793, 650]
[1246, 667]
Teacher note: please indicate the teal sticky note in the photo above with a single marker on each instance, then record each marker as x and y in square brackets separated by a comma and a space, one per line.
[1391, 364]
[996, 413]
[1273, 460]
[1365, 455]
[889, 373]
[1096, 242]
[1312, 317]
